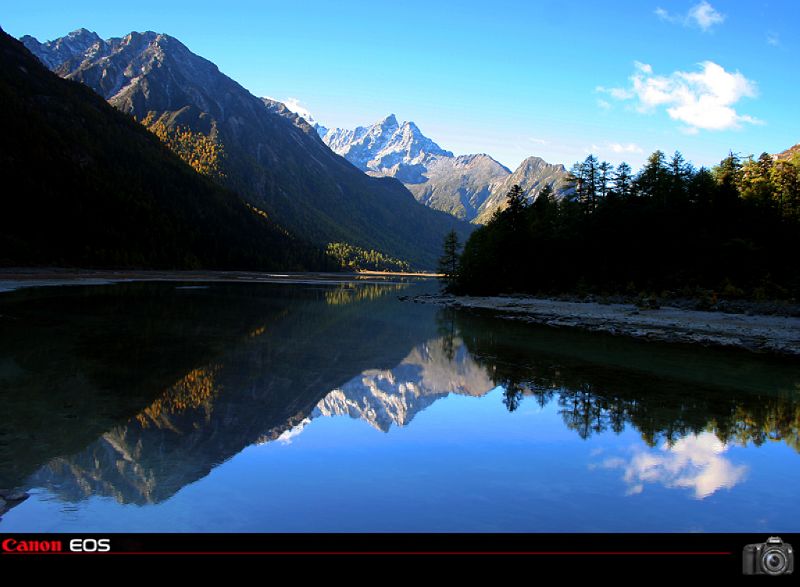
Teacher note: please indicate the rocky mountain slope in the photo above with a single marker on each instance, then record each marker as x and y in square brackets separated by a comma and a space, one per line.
[85, 185]
[470, 187]
[274, 159]
[532, 175]
[788, 153]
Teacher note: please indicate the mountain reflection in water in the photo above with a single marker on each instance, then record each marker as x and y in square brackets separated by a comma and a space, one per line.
[249, 365]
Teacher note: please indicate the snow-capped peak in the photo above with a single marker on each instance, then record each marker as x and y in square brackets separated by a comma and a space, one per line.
[383, 145]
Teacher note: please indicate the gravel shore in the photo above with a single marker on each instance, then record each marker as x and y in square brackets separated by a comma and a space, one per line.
[758, 333]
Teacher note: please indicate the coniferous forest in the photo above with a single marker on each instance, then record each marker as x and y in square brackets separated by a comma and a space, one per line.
[669, 229]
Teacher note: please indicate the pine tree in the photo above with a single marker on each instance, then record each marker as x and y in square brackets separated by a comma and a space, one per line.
[577, 180]
[653, 179]
[591, 174]
[516, 201]
[755, 183]
[679, 174]
[448, 262]
[728, 175]
[623, 179]
[605, 169]
[786, 180]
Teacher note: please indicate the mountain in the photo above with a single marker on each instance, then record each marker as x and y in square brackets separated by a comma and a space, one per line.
[386, 397]
[532, 175]
[387, 148]
[55, 53]
[85, 185]
[217, 371]
[470, 187]
[273, 158]
[788, 154]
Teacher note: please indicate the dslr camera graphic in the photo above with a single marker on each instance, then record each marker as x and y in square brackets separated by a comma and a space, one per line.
[773, 557]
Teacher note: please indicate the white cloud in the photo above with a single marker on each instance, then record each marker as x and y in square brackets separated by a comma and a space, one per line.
[295, 106]
[604, 104]
[617, 93]
[705, 16]
[629, 148]
[539, 141]
[701, 15]
[702, 99]
[664, 15]
[773, 39]
[695, 462]
[615, 148]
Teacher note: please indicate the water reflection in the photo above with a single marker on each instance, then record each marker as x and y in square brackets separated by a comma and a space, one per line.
[695, 462]
[389, 397]
[155, 397]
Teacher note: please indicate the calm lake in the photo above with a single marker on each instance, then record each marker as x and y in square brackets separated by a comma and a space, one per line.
[338, 407]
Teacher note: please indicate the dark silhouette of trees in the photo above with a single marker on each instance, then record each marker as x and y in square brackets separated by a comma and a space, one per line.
[732, 230]
[605, 171]
[623, 180]
[594, 399]
[448, 262]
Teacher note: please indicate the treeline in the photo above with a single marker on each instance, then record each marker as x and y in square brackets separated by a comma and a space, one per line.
[670, 228]
[593, 399]
[355, 258]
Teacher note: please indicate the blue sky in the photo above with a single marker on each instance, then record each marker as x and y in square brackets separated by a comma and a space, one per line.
[550, 78]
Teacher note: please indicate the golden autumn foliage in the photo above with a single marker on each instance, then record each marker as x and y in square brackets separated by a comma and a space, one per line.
[347, 293]
[197, 389]
[353, 258]
[203, 153]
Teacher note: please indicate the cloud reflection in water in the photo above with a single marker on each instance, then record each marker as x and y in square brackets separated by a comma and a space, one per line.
[694, 462]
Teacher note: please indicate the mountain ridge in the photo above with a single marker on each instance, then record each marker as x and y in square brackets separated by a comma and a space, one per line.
[274, 161]
[469, 187]
[84, 185]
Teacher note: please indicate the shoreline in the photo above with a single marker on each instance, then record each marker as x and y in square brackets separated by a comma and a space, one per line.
[759, 333]
[13, 279]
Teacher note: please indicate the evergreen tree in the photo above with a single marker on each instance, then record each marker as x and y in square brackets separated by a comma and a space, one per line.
[679, 174]
[591, 175]
[786, 182]
[623, 180]
[448, 262]
[755, 183]
[653, 179]
[605, 170]
[728, 175]
[577, 180]
[702, 188]
[676, 237]
[516, 202]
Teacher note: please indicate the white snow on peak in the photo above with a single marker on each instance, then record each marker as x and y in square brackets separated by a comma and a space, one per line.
[383, 145]
[295, 106]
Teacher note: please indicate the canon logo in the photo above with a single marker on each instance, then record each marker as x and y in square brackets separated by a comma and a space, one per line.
[75, 545]
[12, 545]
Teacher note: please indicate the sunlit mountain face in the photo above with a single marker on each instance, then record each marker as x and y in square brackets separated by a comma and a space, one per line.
[342, 407]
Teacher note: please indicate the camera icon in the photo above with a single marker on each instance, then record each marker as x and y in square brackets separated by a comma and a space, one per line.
[773, 557]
